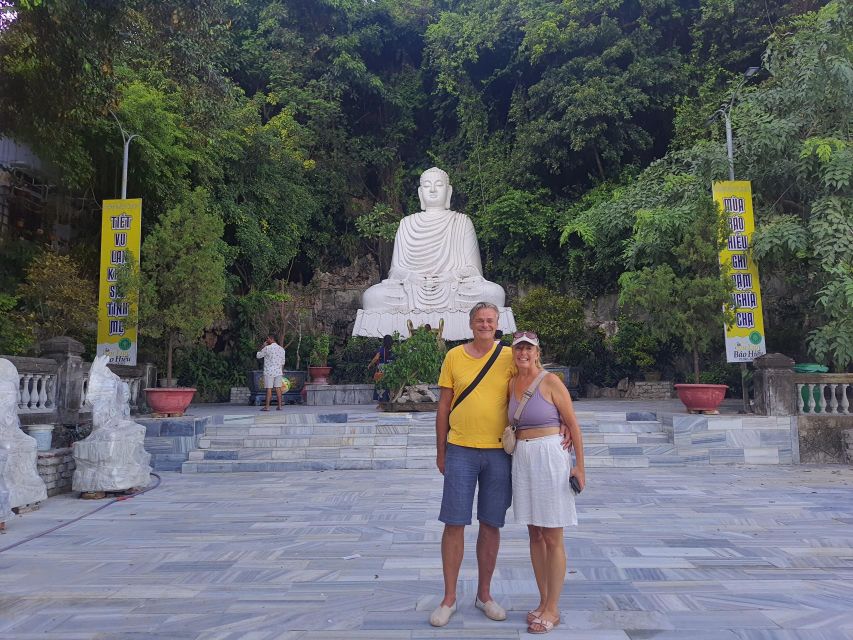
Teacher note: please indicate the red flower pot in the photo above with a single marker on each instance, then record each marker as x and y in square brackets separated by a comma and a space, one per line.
[701, 397]
[319, 375]
[174, 400]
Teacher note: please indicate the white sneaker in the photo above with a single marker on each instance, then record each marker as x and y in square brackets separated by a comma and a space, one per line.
[441, 616]
[492, 609]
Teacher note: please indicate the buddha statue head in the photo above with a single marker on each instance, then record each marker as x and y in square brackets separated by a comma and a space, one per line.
[435, 190]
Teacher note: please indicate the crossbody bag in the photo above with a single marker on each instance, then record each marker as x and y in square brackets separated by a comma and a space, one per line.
[467, 391]
[508, 439]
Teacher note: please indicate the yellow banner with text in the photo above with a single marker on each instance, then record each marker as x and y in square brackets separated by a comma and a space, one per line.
[121, 235]
[745, 338]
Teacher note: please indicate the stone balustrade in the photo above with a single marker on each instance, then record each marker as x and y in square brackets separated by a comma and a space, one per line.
[37, 385]
[53, 386]
[824, 394]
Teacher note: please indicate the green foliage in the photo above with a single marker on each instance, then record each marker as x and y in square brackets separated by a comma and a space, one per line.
[417, 360]
[182, 284]
[558, 320]
[634, 346]
[212, 374]
[350, 363]
[16, 336]
[320, 350]
[673, 282]
[797, 143]
[58, 300]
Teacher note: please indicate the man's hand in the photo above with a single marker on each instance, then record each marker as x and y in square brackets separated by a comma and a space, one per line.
[439, 462]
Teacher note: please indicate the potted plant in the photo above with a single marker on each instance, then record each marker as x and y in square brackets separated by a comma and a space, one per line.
[318, 367]
[417, 360]
[181, 286]
[678, 288]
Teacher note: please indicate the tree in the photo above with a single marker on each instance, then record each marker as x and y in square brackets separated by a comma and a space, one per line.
[796, 142]
[58, 300]
[675, 284]
[182, 280]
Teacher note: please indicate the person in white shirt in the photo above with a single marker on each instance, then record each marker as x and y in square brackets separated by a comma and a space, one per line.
[274, 356]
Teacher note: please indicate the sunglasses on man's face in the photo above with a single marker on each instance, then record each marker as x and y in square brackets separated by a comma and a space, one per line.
[524, 334]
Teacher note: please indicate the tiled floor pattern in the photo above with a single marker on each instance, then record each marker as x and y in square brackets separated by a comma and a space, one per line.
[688, 553]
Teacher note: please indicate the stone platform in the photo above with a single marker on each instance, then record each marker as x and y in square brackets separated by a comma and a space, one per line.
[376, 324]
[687, 553]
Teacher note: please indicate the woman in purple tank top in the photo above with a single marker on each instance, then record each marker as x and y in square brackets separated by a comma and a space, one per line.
[542, 496]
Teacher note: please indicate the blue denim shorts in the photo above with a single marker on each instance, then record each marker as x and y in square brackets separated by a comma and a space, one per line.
[464, 469]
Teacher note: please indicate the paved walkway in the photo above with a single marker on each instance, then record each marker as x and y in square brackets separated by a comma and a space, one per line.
[729, 553]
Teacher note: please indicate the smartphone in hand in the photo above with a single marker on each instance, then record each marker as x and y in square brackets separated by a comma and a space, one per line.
[576, 485]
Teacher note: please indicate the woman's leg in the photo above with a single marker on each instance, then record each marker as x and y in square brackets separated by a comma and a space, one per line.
[539, 560]
[555, 572]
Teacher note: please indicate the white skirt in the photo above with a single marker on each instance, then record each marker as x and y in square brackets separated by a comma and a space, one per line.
[541, 493]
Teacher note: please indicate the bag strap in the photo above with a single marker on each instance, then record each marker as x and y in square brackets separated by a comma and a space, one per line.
[479, 377]
[526, 396]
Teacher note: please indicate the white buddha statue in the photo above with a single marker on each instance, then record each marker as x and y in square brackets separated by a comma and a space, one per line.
[436, 272]
[113, 456]
[20, 476]
[436, 261]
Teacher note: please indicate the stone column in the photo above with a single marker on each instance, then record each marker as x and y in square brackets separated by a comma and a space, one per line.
[774, 386]
[67, 353]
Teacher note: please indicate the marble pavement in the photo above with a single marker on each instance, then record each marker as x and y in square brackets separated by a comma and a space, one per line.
[686, 553]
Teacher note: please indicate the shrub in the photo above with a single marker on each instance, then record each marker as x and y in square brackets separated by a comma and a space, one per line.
[416, 361]
[351, 362]
[559, 321]
[212, 374]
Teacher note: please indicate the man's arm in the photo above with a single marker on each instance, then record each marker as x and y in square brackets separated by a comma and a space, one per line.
[262, 353]
[442, 426]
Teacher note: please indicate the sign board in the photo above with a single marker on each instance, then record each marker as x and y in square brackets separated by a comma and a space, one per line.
[745, 338]
[121, 235]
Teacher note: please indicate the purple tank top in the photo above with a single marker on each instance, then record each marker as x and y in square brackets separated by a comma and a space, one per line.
[538, 412]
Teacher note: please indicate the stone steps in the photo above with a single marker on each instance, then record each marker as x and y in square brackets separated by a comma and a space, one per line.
[292, 442]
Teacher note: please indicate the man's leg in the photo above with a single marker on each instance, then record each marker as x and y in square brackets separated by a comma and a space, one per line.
[278, 395]
[269, 397]
[488, 542]
[493, 499]
[452, 552]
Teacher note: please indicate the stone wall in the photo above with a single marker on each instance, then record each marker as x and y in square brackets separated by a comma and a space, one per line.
[822, 439]
[847, 439]
[240, 395]
[169, 440]
[661, 390]
[56, 467]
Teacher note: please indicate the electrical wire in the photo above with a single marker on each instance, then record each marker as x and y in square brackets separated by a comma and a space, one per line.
[85, 515]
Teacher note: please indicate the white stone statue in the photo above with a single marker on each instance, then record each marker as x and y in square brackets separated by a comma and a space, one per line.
[5, 504]
[113, 456]
[20, 475]
[436, 273]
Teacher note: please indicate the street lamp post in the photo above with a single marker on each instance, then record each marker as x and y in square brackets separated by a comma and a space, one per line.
[127, 138]
[726, 111]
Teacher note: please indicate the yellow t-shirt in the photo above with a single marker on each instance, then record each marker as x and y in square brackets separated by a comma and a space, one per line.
[480, 419]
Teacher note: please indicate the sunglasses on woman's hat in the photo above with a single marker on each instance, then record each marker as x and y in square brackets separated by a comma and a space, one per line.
[525, 336]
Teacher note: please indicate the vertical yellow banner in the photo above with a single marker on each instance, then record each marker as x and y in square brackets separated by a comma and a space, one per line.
[745, 338]
[121, 235]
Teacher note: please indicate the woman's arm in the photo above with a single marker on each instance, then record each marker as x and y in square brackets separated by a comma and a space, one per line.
[561, 399]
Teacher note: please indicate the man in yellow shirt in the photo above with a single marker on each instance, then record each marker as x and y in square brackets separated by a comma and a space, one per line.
[470, 454]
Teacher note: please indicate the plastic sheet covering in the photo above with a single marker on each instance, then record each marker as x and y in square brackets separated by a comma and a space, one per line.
[20, 474]
[113, 456]
[5, 505]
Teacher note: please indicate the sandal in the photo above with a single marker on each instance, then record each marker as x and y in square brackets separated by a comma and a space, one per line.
[545, 626]
[532, 615]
